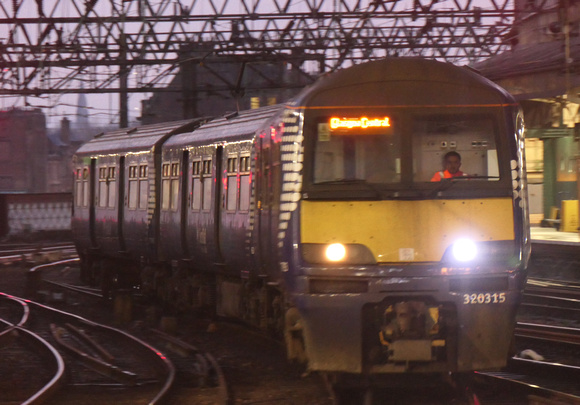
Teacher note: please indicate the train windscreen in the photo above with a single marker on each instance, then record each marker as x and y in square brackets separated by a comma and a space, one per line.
[405, 148]
[359, 148]
[446, 146]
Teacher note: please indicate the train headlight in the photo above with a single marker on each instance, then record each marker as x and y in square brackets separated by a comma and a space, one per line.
[469, 253]
[335, 252]
[464, 250]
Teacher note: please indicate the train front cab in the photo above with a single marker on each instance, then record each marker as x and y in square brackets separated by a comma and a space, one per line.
[396, 273]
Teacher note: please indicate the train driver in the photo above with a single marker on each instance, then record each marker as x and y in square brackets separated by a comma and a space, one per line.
[452, 163]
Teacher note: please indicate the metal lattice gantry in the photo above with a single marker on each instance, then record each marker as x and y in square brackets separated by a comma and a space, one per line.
[90, 46]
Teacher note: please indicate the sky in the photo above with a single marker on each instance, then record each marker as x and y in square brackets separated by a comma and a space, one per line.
[103, 108]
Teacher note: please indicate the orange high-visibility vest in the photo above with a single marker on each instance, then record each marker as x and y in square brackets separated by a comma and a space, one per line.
[446, 175]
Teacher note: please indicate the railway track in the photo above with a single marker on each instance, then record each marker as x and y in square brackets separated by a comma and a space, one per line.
[198, 373]
[548, 333]
[534, 382]
[550, 370]
[99, 360]
[543, 295]
[27, 349]
[567, 289]
[192, 368]
[15, 254]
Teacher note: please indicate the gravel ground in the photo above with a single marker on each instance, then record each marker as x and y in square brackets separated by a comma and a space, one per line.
[254, 366]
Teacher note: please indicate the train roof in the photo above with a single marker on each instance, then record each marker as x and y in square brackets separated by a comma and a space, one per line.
[136, 139]
[410, 81]
[228, 128]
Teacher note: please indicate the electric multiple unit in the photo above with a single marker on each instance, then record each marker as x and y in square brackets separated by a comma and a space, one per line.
[317, 220]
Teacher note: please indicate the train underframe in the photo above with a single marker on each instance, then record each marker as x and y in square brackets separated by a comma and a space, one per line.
[397, 334]
[179, 288]
[400, 333]
[406, 333]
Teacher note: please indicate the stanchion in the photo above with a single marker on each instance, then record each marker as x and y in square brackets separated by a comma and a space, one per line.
[123, 307]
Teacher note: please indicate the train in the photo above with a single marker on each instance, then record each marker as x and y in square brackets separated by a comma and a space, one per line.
[317, 220]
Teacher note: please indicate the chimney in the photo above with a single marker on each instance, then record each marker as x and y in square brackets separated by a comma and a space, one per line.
[65, 131]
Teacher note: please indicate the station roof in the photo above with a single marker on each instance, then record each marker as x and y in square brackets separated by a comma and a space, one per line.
[533, 61]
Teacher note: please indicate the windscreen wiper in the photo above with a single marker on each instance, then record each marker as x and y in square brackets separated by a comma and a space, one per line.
[368, 185]
[446, 184]
[474, 177]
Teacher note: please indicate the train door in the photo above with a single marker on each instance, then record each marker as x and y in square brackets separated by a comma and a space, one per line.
[89, 197]
[185, 202]
[264, 204]
[219, 202]
[120, 203]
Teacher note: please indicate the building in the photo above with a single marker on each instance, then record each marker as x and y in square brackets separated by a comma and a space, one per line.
[37, 159]
[200, 90]
[542, 70]
[23, 151]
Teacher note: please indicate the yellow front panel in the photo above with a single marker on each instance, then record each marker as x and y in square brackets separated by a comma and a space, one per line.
[406, 230]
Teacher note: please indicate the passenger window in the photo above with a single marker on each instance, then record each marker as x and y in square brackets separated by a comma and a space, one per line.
[232, 184]
[79, 186]
[133, 187]
[174, 186]
[85, 187]
[245, 183]
[170, 186]
[207, 184]
[165, 187]
[112, 179]
[143, 187]
[196, 187]
[103, 187]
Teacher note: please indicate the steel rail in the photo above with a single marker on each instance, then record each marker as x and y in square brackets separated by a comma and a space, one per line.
[548, 332]
[51, 355]
[178, 346]
[23, 303]
[548, 383]
[94, 363]
[31, 338]
[32, 254]
[159, 356]
[79, 289]
[57, 381]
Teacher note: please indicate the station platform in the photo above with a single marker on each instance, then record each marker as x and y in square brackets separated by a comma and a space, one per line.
[555, 254]
[553, 236]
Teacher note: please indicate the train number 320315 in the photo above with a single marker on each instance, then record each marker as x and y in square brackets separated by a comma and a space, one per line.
[484, 298]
